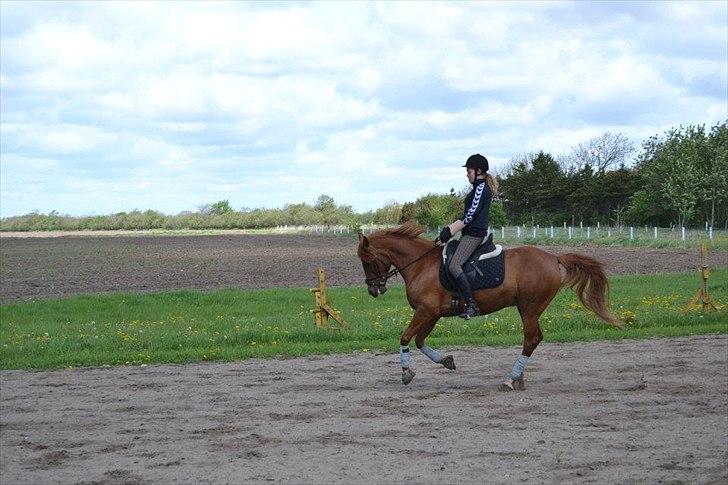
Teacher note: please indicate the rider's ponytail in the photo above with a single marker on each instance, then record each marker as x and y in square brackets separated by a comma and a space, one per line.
[492, 183]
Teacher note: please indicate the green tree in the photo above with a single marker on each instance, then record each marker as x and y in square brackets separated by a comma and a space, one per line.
[409, 212]
[221, 207]
[433, 210]
[533, 190]
[714, 184]
[327, 207]
[548, 184]
[325, 203]
[615, 190]
[301, 214]
[582, 194]
[391, 213]
[516, 191]
[684, 170]
[497, 216]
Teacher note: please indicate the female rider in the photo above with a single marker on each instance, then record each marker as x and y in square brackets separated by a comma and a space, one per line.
[474, 226]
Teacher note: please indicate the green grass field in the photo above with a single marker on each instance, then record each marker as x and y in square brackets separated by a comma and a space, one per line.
[190, 326]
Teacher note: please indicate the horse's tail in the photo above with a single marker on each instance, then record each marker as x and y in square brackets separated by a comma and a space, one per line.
[586, 276]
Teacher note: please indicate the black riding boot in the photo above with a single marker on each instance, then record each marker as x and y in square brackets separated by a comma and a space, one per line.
[471, 308]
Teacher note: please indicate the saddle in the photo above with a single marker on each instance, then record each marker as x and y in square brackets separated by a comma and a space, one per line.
[485, 268]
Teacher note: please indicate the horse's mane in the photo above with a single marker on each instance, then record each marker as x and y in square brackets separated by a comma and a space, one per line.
[409, 229]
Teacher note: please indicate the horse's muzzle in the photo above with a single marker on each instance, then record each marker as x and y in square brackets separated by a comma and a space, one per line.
[376, 290]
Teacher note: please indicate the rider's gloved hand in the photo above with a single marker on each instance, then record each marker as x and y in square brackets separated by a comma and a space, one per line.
[445, 235]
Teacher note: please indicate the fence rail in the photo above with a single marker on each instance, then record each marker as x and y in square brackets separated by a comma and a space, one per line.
[317, 229]
[601, 232]
[633, 233]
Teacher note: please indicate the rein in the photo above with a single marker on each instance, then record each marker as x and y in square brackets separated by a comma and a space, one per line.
[382, 279]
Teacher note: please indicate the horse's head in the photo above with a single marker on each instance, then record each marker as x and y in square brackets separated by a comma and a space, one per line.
[375, 267]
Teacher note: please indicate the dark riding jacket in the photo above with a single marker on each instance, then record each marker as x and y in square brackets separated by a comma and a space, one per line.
[477, 207]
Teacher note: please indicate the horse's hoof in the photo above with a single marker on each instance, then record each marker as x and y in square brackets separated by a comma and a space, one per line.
[507, 386]
[519, 385]
[448, 362]
[407, 376]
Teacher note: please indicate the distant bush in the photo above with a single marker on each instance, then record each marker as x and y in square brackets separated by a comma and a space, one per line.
[209, 216]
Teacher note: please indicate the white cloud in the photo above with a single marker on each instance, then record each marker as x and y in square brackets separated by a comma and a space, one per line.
[72, 47]
[192, 102]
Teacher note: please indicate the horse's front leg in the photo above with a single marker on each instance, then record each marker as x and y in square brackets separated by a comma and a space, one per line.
[422, 319]
[447, 361]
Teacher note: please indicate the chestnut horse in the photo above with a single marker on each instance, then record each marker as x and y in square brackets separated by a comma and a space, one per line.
[532, 279]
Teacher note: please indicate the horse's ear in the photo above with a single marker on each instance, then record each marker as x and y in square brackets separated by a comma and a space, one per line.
[364, 253]
[363, 241]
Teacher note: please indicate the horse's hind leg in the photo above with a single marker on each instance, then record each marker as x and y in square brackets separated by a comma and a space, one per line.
[532, 336]
[447, 361]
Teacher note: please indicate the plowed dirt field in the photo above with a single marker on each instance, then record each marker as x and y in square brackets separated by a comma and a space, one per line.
[36, 267]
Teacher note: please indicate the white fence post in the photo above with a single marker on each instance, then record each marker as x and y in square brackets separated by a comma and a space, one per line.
[552, 231]
[655, 227]
[518, 232]
[503, 232]
[588, 232]
[683, 232]
[534, 232]
[631, 232]
[710, 233]
[569, 232]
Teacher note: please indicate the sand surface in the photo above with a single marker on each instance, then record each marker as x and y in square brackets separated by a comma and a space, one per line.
[651, 411]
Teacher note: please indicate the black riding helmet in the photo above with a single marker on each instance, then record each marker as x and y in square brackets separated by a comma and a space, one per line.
[477, 161]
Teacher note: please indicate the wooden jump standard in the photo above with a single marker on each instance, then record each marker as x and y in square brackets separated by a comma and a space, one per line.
[702, 299]
[323, 310]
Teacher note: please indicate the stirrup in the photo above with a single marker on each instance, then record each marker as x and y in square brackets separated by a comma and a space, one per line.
[470, 310]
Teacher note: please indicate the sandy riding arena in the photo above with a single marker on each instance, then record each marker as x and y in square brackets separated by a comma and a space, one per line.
[652, 411]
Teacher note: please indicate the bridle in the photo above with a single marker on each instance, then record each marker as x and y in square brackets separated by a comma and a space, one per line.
[380, 280]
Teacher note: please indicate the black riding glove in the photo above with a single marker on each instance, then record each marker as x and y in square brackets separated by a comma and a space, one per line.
[445, 235]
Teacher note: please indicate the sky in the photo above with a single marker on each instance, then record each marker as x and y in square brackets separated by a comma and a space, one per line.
[111, 107]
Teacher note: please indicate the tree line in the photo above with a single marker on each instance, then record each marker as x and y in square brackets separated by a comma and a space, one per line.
[678, 179]
[218, 215]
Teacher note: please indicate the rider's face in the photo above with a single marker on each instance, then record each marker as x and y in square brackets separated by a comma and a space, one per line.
[471, 175]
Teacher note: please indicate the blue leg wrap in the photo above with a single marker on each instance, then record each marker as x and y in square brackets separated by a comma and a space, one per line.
[434, 355]
[518, 367]
[404, 356]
